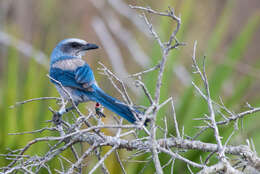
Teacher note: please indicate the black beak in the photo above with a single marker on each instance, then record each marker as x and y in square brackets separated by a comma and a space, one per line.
[89, 46]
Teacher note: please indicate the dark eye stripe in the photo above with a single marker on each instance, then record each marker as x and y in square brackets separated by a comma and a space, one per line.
[75, 44]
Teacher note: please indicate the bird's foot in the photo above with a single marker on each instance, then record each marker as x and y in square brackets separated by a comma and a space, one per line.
[147, 120]
[56, 118]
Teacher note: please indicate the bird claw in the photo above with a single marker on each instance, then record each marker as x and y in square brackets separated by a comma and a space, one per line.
[56, 118]
[147, 121]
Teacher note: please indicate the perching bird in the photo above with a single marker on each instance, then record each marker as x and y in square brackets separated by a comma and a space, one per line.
[76, 76]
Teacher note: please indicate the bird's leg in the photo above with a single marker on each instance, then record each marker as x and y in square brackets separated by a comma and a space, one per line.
[64, 110]
[57, 116]
[56, 119]
[70, 108]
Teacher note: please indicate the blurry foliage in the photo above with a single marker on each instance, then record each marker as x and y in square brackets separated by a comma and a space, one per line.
[44, 23]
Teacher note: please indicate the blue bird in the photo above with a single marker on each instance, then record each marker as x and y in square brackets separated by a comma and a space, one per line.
[76, 76]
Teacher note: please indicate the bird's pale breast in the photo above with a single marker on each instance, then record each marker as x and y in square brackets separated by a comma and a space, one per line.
[69, 64]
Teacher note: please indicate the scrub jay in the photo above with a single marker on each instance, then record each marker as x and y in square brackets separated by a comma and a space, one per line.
[76, 76]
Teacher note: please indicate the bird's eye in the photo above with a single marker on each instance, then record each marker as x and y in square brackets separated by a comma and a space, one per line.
[75, 45]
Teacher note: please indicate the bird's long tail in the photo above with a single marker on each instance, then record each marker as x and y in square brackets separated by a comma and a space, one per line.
[115, 105]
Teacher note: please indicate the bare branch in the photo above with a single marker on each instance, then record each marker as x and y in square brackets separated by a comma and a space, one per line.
[210, 105]
[35, 99]
[88, 130]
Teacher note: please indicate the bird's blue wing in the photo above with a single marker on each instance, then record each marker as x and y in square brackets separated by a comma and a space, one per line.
[65, 77]
[84, 75]
[81, 78]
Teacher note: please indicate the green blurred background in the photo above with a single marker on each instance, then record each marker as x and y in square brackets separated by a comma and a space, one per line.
[227, 31]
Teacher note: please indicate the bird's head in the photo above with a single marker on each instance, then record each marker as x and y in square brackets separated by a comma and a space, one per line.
[71, 48]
